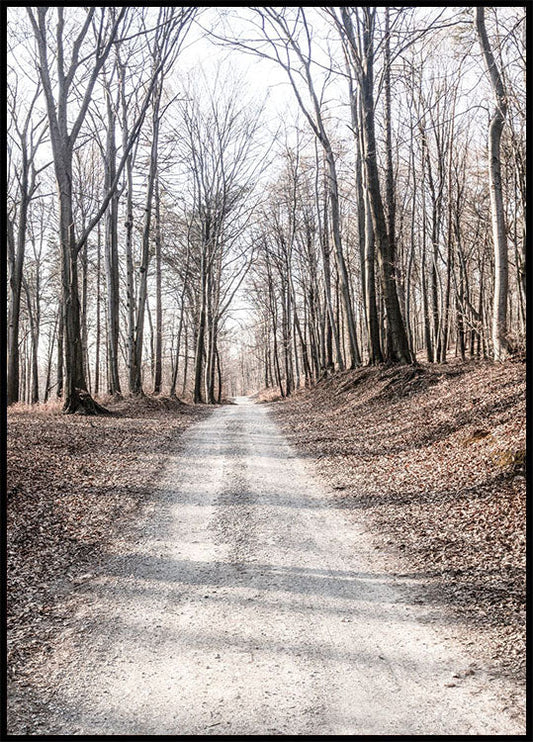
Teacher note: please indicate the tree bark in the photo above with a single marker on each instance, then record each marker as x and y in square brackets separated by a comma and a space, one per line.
[136, 371]
[399, 350]
[76, 396]
[499, 233]
[158, 360]
[16, 249]
[111, 254]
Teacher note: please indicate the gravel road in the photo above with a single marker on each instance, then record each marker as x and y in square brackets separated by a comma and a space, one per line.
[253, 605]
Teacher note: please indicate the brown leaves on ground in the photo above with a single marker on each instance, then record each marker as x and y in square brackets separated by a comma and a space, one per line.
[73, 483]
[434, 456]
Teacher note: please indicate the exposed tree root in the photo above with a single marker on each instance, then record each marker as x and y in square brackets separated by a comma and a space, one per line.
[81, 403]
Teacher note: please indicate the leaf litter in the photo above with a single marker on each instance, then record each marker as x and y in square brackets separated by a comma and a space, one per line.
[75, 485]
[433, 457]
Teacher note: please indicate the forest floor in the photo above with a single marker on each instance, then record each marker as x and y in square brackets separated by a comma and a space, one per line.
[74, 484]
[165, 580]
[433, 459]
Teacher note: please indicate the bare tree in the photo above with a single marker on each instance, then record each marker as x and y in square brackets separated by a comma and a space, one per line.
[282, 34]
[219, 150]
[499, 232]
[361, 53]
[83, 73]
[25, 136]
[63, 138]
[171, 30]
[379, 235]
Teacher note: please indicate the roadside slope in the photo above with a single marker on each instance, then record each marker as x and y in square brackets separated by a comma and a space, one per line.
[433, 459]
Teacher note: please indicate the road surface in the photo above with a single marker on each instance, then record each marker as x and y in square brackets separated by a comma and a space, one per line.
[253, 605]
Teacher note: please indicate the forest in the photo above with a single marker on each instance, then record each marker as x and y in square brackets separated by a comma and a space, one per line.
[204, 202]
[266, 371]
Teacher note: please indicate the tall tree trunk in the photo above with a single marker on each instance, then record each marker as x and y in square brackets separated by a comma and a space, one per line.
[136, 373]
[16, 258]
[111, 255]
[15, 262]
[355, 356]
[28, 144]
[499, 234]
[152, 334]
[33, 366]
[389, 175]
[185, 363]
[48, 378]
[98, 312]
[425, 299]
[130, 285]
[423, 278]
[219, 377]
[400, 350]
[200, 342]
[178, 346]
[84, 318]
[366, 240]
[273, 314]
[76, 395]
[180, 326]
[158, 371]
[332, 336]
[60, 353]
[376, 355]
[286, 332]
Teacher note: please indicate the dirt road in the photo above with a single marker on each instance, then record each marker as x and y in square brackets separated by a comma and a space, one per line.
[252, 605]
